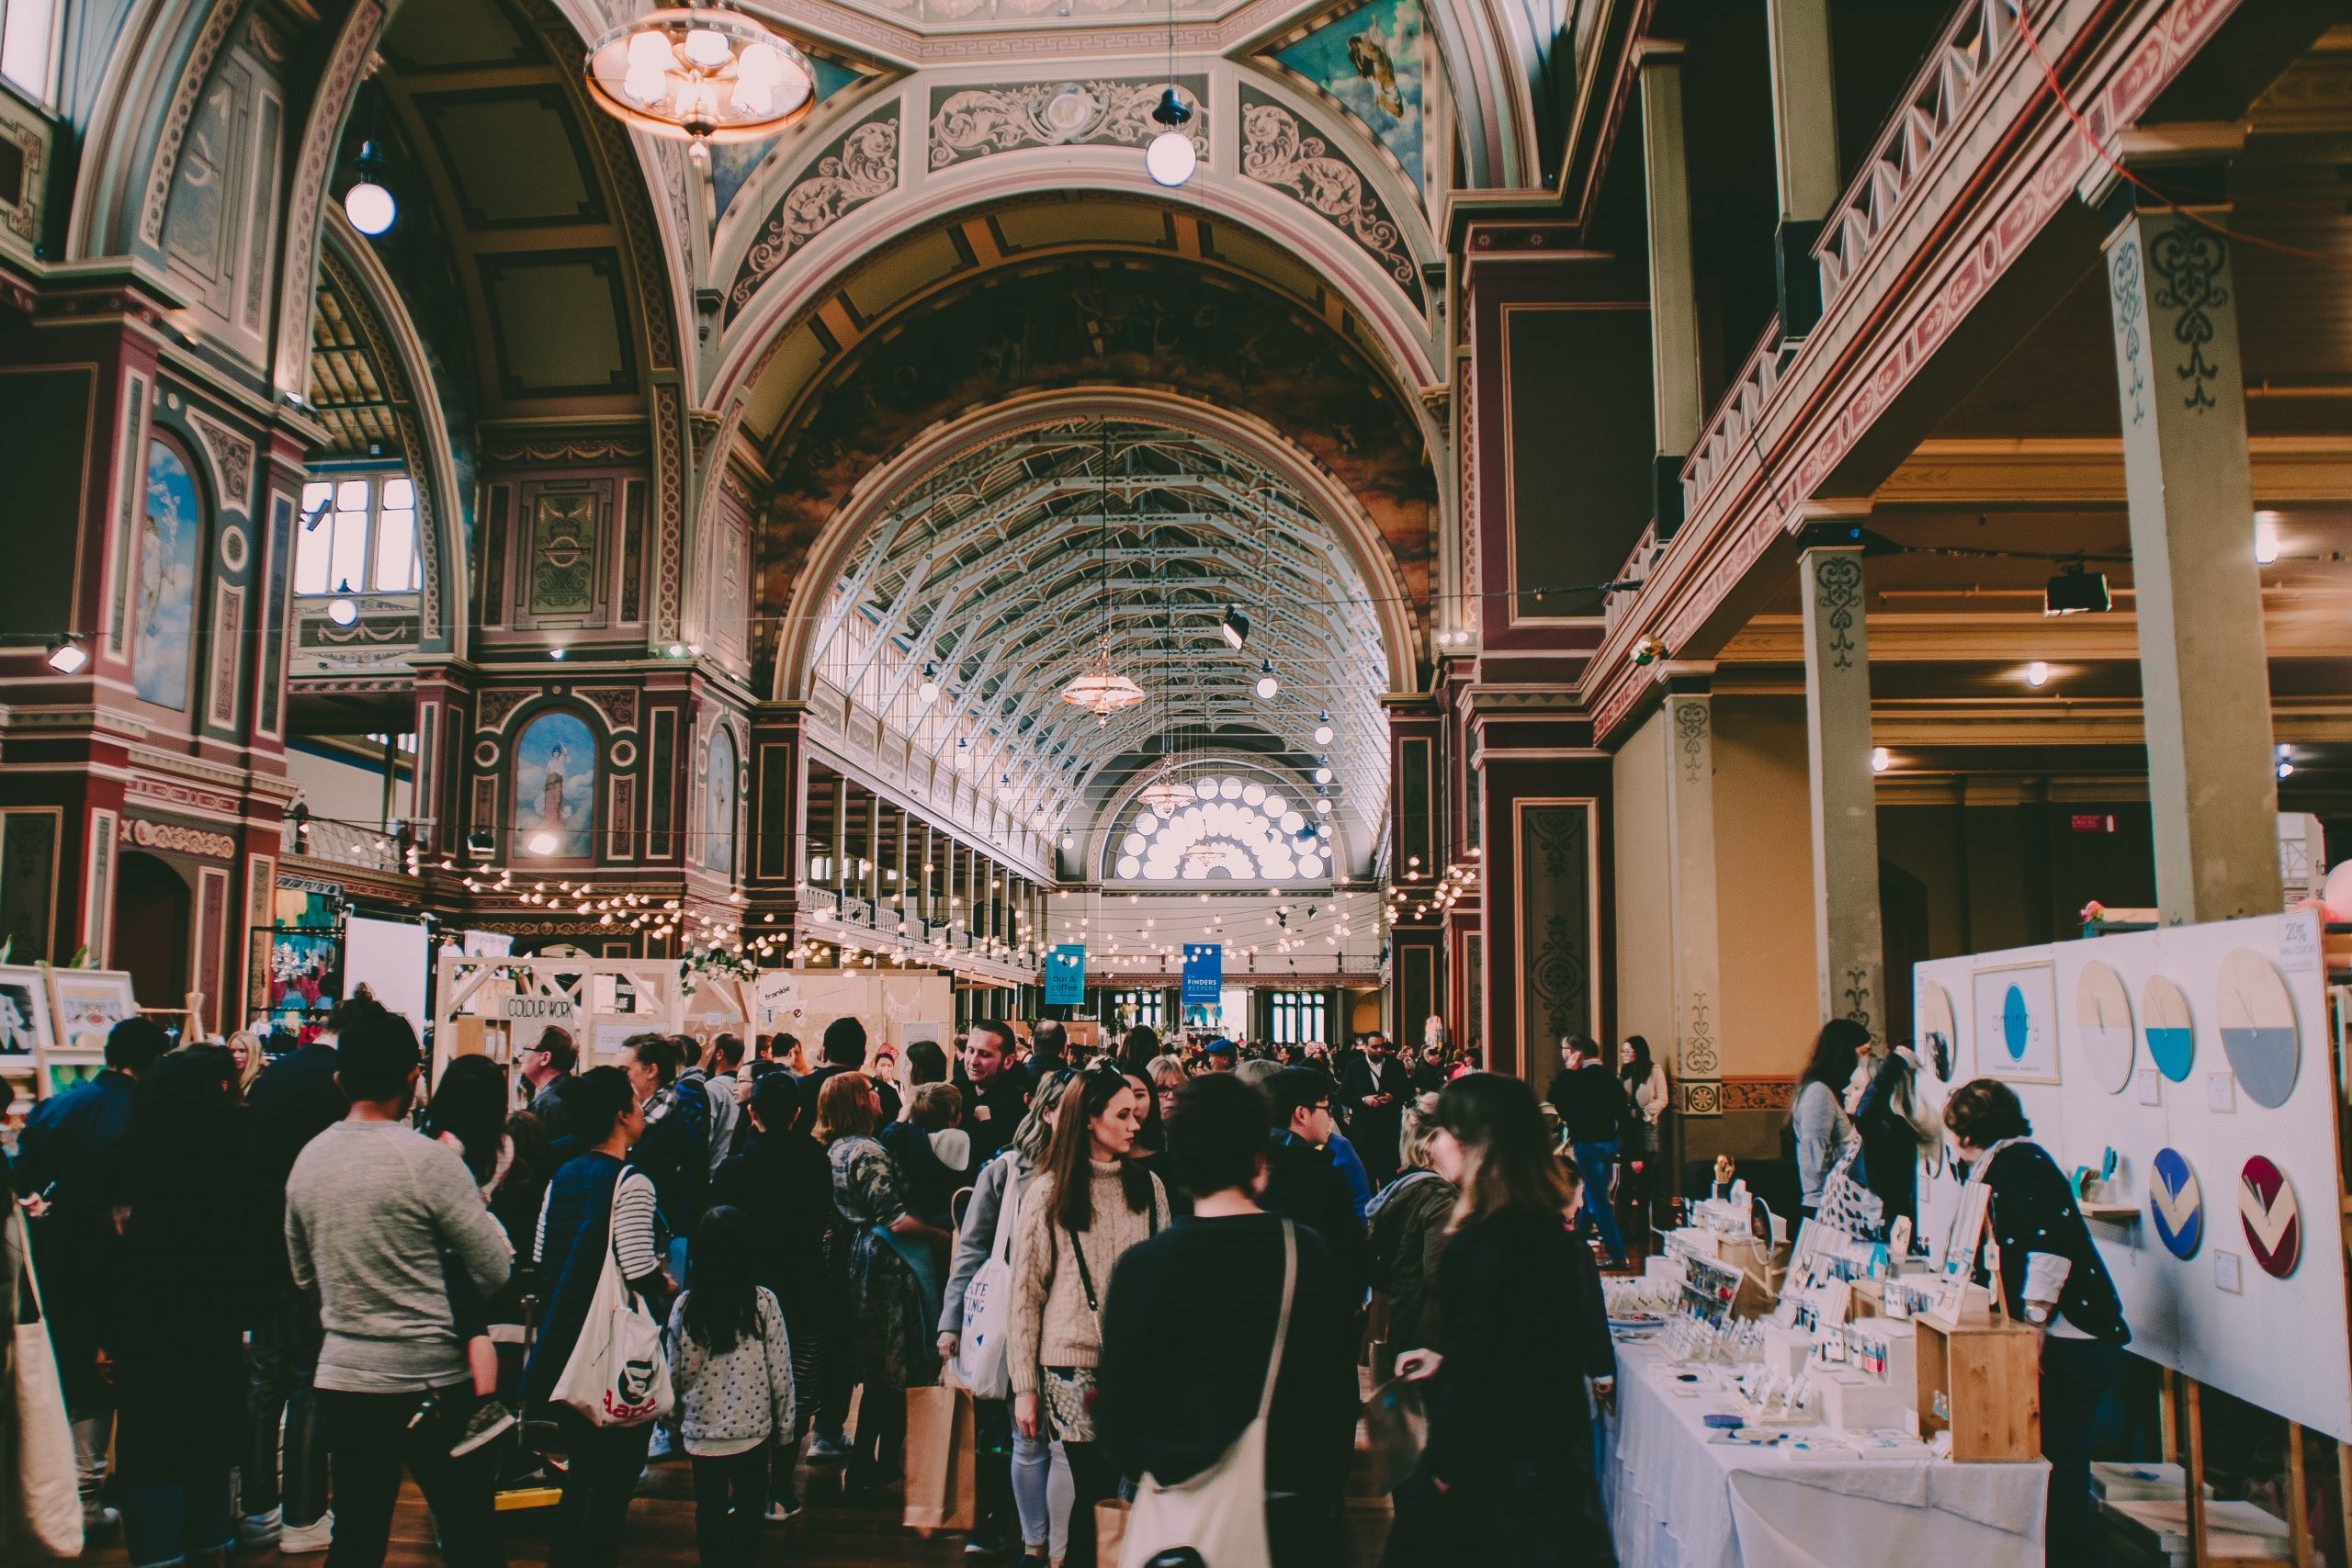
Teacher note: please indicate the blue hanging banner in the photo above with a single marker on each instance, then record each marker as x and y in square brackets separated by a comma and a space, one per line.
[1204, 974]
[1066, 975]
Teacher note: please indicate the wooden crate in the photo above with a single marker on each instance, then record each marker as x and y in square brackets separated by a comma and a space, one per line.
[1984, 1385]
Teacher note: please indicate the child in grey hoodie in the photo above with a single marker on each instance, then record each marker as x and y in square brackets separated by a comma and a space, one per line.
[731, 1364]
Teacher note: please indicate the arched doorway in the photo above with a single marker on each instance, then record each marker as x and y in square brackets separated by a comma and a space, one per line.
[150, 929]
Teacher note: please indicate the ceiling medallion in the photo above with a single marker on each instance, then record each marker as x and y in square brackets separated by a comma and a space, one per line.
[701, 73]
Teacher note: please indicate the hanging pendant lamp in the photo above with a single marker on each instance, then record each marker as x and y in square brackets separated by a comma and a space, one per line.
[1099, 689]
[701, 73]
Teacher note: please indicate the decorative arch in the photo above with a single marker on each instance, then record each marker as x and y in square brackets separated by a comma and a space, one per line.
[834, 554]
[720, 807]
[350, 264]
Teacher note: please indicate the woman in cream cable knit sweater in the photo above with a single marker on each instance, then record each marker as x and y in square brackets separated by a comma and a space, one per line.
[1091, 1204]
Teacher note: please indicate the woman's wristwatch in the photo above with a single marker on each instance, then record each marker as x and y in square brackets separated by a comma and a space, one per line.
[2037, 1314]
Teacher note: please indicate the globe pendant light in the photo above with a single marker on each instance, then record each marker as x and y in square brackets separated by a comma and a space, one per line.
[701, 73]
[1171, 158]
[367, 203]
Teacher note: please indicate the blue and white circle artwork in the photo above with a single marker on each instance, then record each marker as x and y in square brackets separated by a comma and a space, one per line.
[2176, 1204]
[2016, 1024]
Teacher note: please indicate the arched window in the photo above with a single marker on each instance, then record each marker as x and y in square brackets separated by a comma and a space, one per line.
[555, 789]
[171, 546]
[358, 533]
[1231, 829]
[719, 804]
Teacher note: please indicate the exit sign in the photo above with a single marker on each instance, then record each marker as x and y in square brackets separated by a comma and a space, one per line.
[2094, 821]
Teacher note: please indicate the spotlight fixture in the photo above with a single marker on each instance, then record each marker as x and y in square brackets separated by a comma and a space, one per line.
[2037, 674]
[341, 611]
[1235, 626]
[929, 689]
[1171, 158]
[541, 842]
[367, 203]
[2076, 591]
[1323, 729]
[556, 653]
[1881, 760]
[1267, 685]
[677, 651]
[67, 656]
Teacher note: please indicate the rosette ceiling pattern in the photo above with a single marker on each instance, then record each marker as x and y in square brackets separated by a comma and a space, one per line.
[991, 578]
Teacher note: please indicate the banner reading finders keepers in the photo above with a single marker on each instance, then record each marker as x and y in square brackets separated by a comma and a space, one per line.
[1204, 974]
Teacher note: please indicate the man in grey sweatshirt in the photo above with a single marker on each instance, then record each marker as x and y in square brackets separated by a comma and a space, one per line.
[374, 1214]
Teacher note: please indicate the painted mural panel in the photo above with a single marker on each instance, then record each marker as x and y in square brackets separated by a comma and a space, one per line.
[1556, 934]
[1376, 60]
[555, 785]
[719, 805]
[732, 164]
[169, 533]
[563, 555]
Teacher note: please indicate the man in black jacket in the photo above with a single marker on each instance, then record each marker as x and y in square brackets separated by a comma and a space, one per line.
[1593, 1111]
[69, 1161]
[1050, 1050]
[1172, 1417]
[1375, 1087]
[1302, 1181]
[996, 1092]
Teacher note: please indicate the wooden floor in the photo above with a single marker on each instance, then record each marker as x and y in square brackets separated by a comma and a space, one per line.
[830, 1533]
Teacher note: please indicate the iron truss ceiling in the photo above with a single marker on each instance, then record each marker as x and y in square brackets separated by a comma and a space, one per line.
[999, 572]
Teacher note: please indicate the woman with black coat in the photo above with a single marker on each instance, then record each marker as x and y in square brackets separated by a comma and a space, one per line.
[179, 1362]
[1508, 1475]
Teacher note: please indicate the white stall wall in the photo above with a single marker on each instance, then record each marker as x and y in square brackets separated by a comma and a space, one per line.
[391, 956]
[2215, 1316]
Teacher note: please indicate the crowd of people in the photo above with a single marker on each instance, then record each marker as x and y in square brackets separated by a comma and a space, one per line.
[347, 1263]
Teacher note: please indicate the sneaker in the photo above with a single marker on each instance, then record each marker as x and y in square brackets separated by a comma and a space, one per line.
[660, 1446]
[256, 1530]
[298, 1540]
[98, 1517]
[828, 1445]
[783, 1513]
[491, 1418]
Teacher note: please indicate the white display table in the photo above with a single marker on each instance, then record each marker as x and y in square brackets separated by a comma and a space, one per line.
[1678, 1500]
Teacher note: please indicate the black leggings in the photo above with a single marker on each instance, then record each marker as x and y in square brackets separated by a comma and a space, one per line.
[1091, 1480]
[731, 1505]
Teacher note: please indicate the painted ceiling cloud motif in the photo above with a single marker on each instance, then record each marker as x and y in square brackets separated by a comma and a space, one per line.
[1374, 61]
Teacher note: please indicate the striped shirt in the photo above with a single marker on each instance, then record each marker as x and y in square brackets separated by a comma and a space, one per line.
[633, 1237]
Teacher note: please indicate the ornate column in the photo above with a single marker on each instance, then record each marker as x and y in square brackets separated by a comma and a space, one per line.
[1674, 298]
[1697, 1065]
[2204, 673]
[1804, 145]
[1844, 793]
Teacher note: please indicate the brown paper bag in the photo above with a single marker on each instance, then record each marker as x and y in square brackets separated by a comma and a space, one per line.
[942, 1451]
[1110, 1531]
[1396, 1428]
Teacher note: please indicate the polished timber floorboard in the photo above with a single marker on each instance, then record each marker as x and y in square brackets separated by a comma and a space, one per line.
[830, 1533]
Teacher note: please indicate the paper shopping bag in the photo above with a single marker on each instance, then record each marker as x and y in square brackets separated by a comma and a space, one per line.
[1110, 1529]
[940, 1454]
[1396, 1428]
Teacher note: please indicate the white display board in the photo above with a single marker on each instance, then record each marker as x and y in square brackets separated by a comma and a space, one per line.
[390, 958]
[2226, 1060]
[895, 1009]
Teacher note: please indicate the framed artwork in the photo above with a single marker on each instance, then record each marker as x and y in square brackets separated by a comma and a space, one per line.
[1939, 1036]
[719, 804]
[83, 1004]
[170, 544]
[58, 1077]
[23, 1012]
[555, 788]
[2017, 1022]
[304, 973]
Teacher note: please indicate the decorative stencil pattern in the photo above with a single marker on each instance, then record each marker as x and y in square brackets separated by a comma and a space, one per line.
[1277, 152]
[862, 164]
[972, 122]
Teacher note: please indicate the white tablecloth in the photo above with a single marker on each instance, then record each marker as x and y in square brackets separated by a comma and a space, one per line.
[1677, 1500]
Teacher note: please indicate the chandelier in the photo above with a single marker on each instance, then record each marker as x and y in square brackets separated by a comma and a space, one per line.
[1166, 795]
[701, 73]
[1099, 689]
[1207, 852]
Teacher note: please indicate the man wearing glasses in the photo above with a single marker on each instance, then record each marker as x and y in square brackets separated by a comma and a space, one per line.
[547, 1067]
[1302, 1180]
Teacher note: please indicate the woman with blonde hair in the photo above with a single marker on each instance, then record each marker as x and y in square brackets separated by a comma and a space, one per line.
[1408, 1219]
[1091, 1202]
[891, 1280]
[1508, 1475]
[245, 1052]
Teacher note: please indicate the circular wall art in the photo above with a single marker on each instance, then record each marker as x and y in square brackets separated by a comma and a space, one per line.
[2274, 1226]
[2176, 1204]
[485, 753]
[2103, 1020]
[2171, 1032]
[1938, 1035]
[2257, 1021]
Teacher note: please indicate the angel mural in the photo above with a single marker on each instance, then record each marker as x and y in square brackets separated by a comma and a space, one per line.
[555, 784]
[163, 629]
